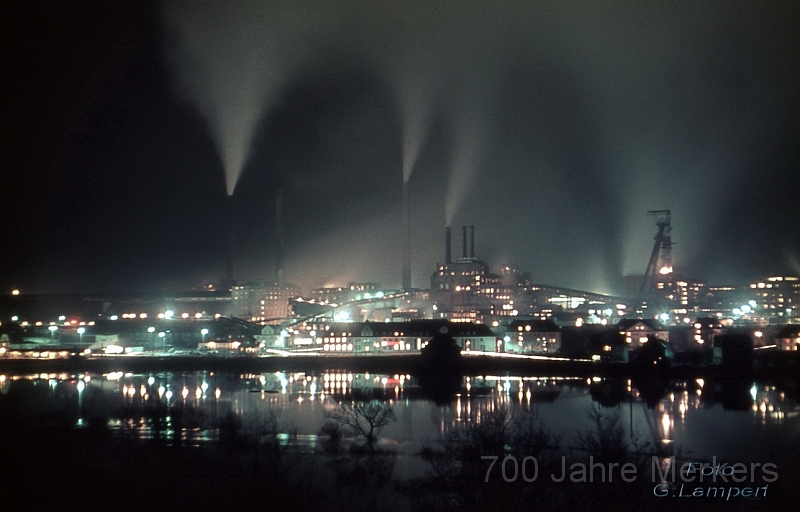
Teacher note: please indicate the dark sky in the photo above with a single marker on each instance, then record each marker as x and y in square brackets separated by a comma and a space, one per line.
[552, 127]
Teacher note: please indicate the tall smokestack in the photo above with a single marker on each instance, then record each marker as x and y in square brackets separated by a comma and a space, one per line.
[279, 234]
[464, 242]
[472, 242]
[406, 239]
[229, 271]
[447, 256]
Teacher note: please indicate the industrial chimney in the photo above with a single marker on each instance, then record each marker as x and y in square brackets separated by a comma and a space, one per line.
[472, 242]
[447, 256]
[406, 239]
[229, 271]
[279, 278]
[464, 242]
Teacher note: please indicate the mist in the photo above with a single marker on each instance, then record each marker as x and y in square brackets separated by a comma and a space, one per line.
[551, 127]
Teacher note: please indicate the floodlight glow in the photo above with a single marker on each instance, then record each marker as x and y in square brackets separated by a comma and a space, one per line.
[341, 316]
[169, 313]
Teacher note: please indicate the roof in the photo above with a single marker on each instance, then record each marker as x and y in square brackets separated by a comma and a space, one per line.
[541, 325]
[789, 331]
[419, 328]
[626, 323]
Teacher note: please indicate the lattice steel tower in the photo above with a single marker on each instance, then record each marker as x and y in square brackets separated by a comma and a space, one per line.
[660, 264]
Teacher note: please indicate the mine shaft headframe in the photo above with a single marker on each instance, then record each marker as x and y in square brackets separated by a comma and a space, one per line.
[663, 221]
[662, 250]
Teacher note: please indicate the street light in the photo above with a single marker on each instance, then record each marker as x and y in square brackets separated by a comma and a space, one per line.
[81, 330]
[203, 333]
[151, 330]
[162, 335]
[52, 329]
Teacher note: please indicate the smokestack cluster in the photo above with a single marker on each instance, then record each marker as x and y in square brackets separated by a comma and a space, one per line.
[464, 244]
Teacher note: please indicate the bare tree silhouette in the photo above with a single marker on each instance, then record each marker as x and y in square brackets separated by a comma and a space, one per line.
[362, 420]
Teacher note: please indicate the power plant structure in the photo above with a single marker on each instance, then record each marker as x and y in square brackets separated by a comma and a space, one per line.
[465, 290]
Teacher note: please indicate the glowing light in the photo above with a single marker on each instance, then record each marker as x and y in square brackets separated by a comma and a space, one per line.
[341, 316]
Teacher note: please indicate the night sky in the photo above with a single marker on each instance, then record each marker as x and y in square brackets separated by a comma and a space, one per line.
[553, 127]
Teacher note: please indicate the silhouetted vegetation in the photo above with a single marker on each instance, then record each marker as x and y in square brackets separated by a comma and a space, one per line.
[362, 420]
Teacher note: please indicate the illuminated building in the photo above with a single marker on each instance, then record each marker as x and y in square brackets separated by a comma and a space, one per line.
[721, 300]
[349, 293]
[397, 337]
[533, 337]
[464, 290]
[261, 302]
[636, 330]
[789, 337]
[704, 330]
[776, 296]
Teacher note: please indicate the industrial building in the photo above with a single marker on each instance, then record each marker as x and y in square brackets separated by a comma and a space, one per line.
[263, 302]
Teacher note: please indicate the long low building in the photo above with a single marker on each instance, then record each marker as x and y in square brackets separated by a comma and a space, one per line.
[397, 337]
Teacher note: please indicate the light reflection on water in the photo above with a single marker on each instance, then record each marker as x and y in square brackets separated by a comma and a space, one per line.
[696, 418]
